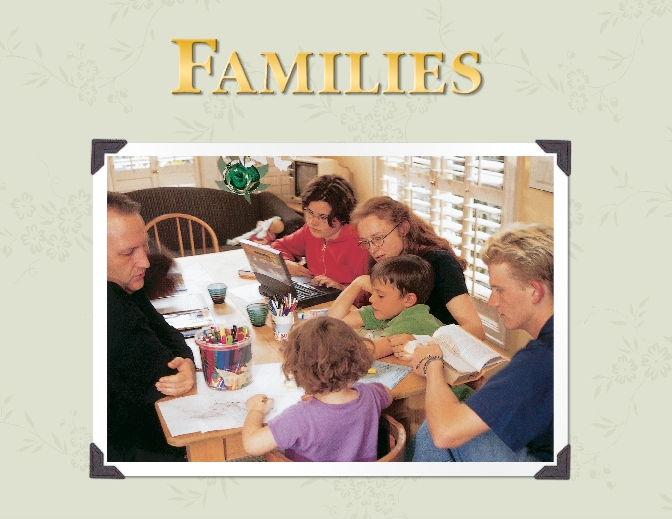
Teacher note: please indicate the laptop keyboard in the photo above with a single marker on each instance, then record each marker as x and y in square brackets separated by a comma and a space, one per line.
[306, 291]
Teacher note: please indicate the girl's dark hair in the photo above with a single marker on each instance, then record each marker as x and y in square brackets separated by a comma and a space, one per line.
[420, 238]
[324, 355]
[334, 190]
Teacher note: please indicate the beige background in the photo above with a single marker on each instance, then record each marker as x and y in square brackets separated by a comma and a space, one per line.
[590, 72]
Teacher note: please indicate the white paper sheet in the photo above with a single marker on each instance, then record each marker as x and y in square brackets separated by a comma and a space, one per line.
[387, 374]
[179, 303]
[213, 410]
[248, 293]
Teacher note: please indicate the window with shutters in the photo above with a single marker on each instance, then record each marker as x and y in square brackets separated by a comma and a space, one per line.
[121, 163]
[128, 173]
[465, 199]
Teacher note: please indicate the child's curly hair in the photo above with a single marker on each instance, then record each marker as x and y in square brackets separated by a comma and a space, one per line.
[324, 355]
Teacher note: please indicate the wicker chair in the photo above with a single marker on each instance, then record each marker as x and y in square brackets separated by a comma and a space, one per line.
[391, 442]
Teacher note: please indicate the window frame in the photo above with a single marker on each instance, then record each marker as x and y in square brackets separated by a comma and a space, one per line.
[449, 181]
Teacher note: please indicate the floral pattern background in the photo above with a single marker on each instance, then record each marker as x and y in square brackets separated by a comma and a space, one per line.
[592, 73]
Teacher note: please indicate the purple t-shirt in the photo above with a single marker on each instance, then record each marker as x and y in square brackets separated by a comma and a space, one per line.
[315, 431]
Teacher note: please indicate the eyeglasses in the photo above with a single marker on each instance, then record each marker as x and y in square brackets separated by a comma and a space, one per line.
[307, 213]
[376, 242]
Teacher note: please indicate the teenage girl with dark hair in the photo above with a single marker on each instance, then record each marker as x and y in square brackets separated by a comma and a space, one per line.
[327, 240]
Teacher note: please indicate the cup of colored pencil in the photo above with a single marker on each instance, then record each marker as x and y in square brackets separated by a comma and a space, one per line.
[282, 313]
[226, 356]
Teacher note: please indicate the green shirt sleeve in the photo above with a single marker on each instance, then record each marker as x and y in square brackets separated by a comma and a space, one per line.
[415, 320]
[370, 322]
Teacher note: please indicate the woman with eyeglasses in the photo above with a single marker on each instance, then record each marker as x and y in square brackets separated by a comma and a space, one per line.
[327, 240]
[388, 228]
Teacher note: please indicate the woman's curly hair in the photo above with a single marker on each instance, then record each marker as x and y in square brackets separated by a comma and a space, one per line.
[420, 238]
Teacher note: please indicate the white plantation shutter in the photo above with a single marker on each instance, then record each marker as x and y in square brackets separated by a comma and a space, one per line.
[484, 172]
[129, 173]
[405, 180]
[466, 199]
[164, 162]
[122, 163]
[392, 176]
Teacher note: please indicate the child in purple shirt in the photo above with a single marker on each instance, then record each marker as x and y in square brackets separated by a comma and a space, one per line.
[339, 421]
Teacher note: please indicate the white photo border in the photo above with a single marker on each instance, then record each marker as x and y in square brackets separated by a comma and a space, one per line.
[561, 328]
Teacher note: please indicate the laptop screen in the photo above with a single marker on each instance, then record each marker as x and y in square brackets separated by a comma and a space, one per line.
[274, 280]
[266, 262]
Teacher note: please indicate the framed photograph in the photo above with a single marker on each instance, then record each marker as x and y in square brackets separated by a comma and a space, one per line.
[465, 191]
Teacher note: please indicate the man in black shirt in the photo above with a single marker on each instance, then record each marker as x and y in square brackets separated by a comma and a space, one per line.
[146, 358]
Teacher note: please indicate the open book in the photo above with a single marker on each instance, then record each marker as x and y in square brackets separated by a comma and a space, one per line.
[186, 312]
[466, 358]
[189, 320]
[178, 303]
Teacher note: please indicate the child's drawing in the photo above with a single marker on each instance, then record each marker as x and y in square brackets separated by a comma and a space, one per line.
[213, 410]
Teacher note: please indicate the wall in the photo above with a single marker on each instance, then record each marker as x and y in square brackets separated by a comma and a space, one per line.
[532, 206]
[209, 171]
[362, 175]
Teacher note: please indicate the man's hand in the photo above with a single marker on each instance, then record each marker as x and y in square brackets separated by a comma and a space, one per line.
[296, 270]
[420, 353]
[180, 383]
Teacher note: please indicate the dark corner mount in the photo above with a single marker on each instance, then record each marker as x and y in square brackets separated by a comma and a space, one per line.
[99, 147]
[97, 468]
[563, 149]
[561, 470]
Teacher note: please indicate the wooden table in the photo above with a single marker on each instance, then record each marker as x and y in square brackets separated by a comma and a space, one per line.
[198, 272]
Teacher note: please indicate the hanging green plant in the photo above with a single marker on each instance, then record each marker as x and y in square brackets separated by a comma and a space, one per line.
[241, 176]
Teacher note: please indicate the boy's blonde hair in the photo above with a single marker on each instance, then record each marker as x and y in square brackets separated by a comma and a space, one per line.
[527, 248]
[324, 354]
[408, 273]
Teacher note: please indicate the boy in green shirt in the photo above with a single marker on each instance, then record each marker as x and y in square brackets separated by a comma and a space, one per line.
[399, 286]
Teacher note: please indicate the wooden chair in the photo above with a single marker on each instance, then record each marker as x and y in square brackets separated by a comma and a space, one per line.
[391, 442]
[180, 220]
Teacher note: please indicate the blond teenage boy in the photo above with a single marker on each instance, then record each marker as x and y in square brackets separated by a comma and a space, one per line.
[511, 417]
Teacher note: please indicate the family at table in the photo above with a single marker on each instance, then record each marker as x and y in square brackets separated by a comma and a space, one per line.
[398, 279]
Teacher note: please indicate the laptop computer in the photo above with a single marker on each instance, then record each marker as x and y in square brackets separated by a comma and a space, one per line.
[271, 271]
